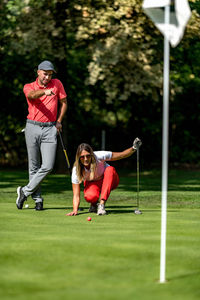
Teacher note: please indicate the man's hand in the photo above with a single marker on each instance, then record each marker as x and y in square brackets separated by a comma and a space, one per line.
[137, 143]
[59, 126]
[49, 92]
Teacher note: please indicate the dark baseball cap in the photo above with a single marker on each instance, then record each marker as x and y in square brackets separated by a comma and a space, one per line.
[46, 66]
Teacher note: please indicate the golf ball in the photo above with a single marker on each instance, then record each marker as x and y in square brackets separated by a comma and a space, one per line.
[26, 206]
[89, 219]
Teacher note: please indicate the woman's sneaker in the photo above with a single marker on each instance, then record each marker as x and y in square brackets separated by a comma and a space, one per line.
[101, 210]
[93, 208]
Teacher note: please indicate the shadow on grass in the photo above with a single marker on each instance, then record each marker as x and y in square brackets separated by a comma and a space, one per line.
[51, 184]
[109, 209]
[118, 210]
[51, 208]
[149, 181]
[58, 208]
[184, 275]
[85, 210]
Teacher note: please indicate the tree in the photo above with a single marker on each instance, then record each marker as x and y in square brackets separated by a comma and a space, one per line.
[109, 56]
[127, 61]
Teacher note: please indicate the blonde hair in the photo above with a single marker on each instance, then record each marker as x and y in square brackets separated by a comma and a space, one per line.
[80, 167]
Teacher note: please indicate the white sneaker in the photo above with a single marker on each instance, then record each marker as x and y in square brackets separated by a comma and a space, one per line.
[101, 210]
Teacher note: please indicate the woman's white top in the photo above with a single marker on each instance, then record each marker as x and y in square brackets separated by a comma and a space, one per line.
[101, 158]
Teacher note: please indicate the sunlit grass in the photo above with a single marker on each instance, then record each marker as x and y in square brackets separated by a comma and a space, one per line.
[48, 255]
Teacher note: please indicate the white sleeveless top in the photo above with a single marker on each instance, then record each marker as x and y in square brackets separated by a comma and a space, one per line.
[101, 158]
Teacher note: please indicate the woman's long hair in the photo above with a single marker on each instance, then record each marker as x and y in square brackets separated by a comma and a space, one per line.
[80, 167]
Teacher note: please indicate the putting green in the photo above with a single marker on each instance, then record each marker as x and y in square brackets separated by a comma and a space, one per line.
[48, 255]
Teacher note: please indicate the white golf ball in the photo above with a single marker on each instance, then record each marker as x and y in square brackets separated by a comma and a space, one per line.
[26, 206]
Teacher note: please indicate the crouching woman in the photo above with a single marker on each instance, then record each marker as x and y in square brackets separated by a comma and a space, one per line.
[98, 176]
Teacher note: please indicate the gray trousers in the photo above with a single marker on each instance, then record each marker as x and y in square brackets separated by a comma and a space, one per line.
[41, 145]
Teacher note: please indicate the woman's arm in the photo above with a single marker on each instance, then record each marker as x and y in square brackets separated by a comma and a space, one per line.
[120, 155]
[128, 152]
[76, 199]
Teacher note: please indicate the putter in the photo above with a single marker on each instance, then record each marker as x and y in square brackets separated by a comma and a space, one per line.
[137, 211]
[65, 151]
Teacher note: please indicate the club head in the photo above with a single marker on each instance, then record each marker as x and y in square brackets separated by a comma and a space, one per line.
[137, 212]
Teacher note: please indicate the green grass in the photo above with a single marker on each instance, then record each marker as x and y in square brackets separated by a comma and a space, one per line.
[48, 255]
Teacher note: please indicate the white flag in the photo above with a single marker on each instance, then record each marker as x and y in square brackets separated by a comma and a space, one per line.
[179, 15]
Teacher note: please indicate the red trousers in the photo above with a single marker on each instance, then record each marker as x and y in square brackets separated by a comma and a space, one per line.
[104, 186]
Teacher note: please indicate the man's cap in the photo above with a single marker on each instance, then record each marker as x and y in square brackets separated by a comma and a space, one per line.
[46, 65]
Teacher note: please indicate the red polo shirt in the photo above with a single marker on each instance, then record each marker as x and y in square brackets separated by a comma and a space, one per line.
[44, 109]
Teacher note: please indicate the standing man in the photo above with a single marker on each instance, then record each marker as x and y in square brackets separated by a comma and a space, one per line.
[44, 120]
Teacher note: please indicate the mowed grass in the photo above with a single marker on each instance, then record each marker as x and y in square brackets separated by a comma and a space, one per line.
[48, 255]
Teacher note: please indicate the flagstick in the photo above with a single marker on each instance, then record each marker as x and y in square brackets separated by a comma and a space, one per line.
[165, 151]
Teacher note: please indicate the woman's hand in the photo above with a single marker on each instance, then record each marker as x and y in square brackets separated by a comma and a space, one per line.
[73, 213]
[137, 143]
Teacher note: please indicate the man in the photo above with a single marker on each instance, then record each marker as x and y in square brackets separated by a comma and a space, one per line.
[44, 120]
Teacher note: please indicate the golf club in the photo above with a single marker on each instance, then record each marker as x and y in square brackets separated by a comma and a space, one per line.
[137, 211]
[65, 152]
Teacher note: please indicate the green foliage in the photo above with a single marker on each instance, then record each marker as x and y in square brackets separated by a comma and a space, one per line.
[126, 62]
[12, 145]
[121, 42]
[109, 56]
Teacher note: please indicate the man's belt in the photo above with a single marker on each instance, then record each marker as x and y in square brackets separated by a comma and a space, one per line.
[41, 124]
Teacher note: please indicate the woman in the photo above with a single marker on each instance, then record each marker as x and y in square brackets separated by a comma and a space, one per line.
[99, 177]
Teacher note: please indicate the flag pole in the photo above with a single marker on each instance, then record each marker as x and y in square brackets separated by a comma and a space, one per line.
[172, 25]
[165, 151]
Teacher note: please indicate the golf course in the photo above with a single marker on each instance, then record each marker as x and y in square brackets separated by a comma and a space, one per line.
[85, 86]
[48, 255]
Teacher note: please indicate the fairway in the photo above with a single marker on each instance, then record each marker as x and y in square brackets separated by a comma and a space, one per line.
[48, 255]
